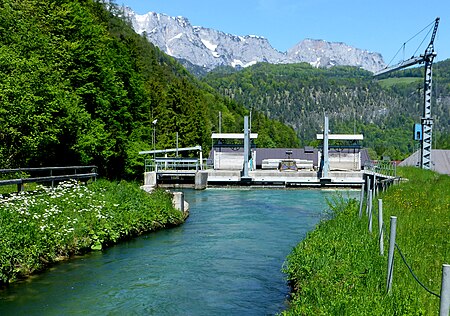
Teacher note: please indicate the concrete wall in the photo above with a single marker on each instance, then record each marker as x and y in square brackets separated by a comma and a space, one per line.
[344, 161]
[228, 161]
[272, 164]
[232, 160]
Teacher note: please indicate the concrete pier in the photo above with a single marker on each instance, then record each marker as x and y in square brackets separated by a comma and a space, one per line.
[201, 180]
[150, 182]
[178, 201]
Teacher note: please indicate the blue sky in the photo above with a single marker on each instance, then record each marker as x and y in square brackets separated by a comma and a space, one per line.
[378, 26]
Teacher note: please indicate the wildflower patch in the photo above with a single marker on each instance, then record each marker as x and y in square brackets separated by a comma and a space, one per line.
[50, 224]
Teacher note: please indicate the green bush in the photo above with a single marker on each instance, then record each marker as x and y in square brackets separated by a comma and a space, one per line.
[45, 226]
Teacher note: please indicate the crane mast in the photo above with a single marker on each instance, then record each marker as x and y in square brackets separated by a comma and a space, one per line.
[426, 120]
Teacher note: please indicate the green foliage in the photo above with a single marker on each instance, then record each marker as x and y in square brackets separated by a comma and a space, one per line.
[79, 86]
[39, 228]
[299, 95]
[337, 269]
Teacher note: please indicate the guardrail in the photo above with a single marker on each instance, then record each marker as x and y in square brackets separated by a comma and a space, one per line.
[384, 167]
[29, 175]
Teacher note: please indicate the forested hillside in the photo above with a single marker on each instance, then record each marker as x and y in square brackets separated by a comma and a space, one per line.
[299, 95]
[78, 86]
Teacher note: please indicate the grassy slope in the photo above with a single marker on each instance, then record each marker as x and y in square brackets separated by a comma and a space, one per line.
[389, 82]
[337, 269]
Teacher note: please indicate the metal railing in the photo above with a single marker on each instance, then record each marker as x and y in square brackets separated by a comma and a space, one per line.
[188, 165]
[20, 176]
[384, 167]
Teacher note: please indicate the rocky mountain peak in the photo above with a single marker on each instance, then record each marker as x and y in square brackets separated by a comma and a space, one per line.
[209, 48]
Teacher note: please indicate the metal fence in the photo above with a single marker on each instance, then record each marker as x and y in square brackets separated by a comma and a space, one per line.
[445, 288]
[21, 176]
[188, 165]
[384, 167]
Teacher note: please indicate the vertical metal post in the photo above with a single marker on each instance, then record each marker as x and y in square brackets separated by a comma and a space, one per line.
[246, 146]
[370, 210]
[444, 308]
[326, 162]
[361, 201]
[374, 185]
[176, 153]
[368, 190]
[154, 126]
[390, 271]
[380, 225]
[220, 122]
[154, 138]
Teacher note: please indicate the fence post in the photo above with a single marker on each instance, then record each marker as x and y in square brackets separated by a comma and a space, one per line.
[445, 291]
[370, 210]
[361, 201]
[368, 190]
[390, 271]
[374, 185]
[380, 225]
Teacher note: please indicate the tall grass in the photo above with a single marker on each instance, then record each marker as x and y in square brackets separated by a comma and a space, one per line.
[38, 228]
[337, 269]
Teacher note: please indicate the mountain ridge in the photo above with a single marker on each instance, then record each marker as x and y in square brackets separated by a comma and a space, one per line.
[210, 48]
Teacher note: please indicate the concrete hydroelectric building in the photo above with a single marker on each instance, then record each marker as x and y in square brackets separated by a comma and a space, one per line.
[235, 160]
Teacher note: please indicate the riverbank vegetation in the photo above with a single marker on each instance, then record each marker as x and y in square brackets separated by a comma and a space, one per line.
[337, 268]
[77, 82]
[45, 226]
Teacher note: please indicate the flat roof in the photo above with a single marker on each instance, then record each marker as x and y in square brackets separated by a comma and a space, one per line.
[342, 136]
[171, 159]
[171, 150]
[232, 135]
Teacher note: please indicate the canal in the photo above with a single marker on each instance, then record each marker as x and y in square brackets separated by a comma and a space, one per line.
[225, 260]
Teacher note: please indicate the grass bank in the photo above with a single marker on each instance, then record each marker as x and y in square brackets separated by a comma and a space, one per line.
[337, 268]
[42, 227]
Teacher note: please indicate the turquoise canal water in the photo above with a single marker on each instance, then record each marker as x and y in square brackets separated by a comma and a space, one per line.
[225, 260]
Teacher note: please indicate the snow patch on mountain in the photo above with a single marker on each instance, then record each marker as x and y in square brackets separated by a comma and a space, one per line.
[210, 48]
